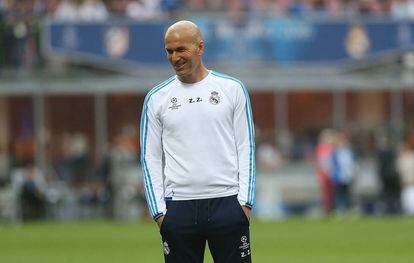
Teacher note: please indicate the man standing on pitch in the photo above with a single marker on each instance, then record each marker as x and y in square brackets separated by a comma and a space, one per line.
[197, 153]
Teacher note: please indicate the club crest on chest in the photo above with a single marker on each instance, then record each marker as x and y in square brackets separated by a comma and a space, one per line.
[214, 98]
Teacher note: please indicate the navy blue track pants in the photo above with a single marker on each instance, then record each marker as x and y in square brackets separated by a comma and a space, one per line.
[220, 222]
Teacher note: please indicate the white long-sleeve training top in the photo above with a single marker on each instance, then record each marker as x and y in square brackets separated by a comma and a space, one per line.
[197, 142]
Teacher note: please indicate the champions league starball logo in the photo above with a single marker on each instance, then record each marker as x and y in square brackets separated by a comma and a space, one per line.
[174, 105]
[245, 247]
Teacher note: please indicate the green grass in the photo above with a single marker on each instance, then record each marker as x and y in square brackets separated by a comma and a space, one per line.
[366, 240]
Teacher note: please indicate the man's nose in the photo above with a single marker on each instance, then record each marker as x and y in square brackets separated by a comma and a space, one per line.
[174, 57]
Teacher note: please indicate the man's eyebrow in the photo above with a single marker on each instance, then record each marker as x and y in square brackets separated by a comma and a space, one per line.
[177, 48]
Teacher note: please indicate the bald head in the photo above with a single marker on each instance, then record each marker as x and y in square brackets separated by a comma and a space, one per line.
[184, 46]
[184, 29]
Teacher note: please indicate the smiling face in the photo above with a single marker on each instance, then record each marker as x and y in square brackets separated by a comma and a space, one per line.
[184, 48]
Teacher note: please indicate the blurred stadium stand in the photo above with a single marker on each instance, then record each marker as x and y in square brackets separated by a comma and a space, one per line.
[72, 87]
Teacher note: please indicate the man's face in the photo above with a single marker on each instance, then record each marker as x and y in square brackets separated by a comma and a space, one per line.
[183, 53]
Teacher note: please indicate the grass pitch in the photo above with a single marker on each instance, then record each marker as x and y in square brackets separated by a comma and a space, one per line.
[299, 240]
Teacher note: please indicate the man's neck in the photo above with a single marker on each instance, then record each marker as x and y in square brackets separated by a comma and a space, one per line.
[197, 76]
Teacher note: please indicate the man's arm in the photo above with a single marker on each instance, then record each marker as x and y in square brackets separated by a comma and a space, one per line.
[244, 136]
[151, 158]
[246, 211]
[159, 221]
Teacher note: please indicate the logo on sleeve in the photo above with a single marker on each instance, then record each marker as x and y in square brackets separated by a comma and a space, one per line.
[214, 98]
[174, 104]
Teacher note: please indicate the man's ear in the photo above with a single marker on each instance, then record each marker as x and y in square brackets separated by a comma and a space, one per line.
[200, 48]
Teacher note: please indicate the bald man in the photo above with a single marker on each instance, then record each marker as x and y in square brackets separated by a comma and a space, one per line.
[197, 154]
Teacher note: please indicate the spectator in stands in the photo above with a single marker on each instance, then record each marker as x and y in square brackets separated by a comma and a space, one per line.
[390, 190]
[93, 10]
[30, 185]
[170, 7]
[325, 8]
[2, 51]
[19, 35]
[299, 8]
[117, 8]
[237, 8]
[405, 166]
[272, 7]
[61, 157]
[369, 7]
[334, 7]
[319, 7]
[348, 9]
[67, 10]
[50, 7]
[143, 9]
[402, 9]
[269, 158]
[8, 202]
[125, 180]
[323, 163]
[6, 196]
[78, 159]
[4, 166]
[343, 172]
[200, 5]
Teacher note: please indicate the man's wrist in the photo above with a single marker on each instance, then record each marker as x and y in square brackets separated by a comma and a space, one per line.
[157, 216]
[160, 220]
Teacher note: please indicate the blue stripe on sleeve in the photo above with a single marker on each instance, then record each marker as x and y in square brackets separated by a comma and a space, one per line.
[252, 165]
[144, 168]
[149, 190]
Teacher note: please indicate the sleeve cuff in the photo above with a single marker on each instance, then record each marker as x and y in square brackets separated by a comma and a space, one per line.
[250, 206]
[157, 216]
